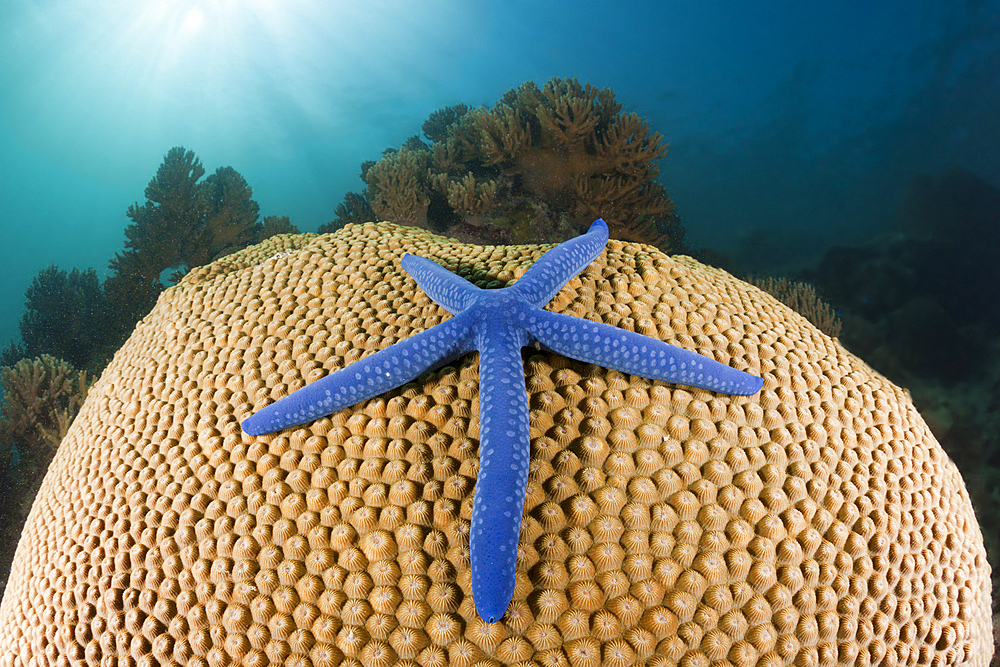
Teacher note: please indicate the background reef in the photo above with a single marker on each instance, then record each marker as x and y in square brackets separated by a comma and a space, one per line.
[920, 304]
[184, 222]
[537, 167]
[791, 127]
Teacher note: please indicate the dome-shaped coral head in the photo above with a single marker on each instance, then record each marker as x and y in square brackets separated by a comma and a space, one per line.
[498, 323]
[816, 521]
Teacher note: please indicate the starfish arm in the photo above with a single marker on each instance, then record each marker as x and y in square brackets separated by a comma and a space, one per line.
[375, 374]
[546, 277]
[451, 291]
[504, 455]
[634, 353]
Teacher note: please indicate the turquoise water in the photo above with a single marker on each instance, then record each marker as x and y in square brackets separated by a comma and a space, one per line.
[790, 126]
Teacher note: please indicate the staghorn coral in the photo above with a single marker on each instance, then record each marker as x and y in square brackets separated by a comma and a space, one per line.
[802, 298]
[816, 523]
[538, 166]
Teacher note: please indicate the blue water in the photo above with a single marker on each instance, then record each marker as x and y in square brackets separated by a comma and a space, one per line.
[792, 125]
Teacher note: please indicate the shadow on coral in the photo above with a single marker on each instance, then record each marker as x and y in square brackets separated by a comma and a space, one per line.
[922, 306]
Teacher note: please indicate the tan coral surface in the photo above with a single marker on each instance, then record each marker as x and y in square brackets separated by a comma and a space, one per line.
[816, 523]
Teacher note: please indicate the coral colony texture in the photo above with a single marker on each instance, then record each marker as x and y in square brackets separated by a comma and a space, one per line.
[817, 522]
[497, 324]
[539, 165]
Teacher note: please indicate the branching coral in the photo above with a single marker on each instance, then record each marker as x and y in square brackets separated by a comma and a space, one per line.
[63, 317]
[230, 220]
[175, 207]
[41, 396]
[397, 186]
[466, 196]
[803, 299]
[564, 152]
[185, 222]
[437, 125]
[353, 210]
[494, 137]
[273, 225]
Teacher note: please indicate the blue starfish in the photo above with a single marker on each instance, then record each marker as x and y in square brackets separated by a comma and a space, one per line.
[498, 323]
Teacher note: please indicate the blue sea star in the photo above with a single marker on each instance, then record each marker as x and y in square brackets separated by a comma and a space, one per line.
[498, 323]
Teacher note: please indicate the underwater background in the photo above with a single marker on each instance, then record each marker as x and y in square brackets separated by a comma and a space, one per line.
[851, 149]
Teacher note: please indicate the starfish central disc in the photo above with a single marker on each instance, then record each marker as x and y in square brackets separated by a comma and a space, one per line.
[498, 323]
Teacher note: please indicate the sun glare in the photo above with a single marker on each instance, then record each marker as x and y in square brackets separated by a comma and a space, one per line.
[192, 22]
[222, 72]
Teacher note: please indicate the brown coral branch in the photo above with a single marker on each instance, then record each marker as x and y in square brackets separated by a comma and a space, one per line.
[569, 121]
[564, 148]
[638, 210]
[275, 224]
[448, 157]
[500, 134]
[61, 417]
[633, 198]
[526, 98]
[41, 397]
[438, 124]
[803, 299]
[353, 210]
[397, 186]
[467, 195]
[629, 143]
